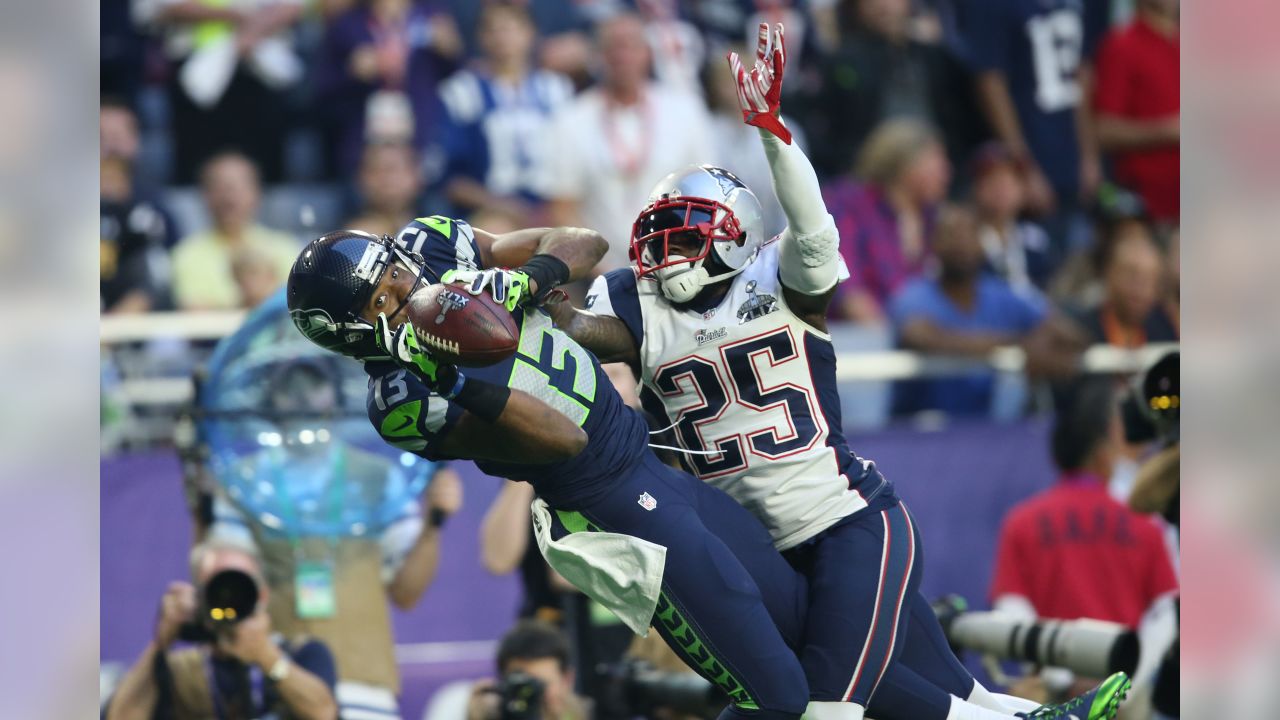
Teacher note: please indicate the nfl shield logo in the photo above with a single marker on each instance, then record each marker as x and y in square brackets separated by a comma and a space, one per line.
[647, 502]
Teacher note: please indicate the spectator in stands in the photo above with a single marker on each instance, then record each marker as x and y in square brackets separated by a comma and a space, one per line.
[337, 587]
[880, 72]
[1029, 57]
[136, 228]
[1137, 106]
[498, 120]
[614, 142]
[1059, 544]
[1017, 250]
[885, 221]
[967, 312]
[248, 672]
[390, 183]
[122, 51]
[679, 49]
[810, 23]
[507, 544]
[737, 146]
[232, 62]
[202, 276]
[378, 74]
[564, 45]
[539, 651]
[1134, 274]
[256, 275]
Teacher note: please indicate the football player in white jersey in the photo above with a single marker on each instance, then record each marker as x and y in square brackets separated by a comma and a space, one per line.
[727, 332]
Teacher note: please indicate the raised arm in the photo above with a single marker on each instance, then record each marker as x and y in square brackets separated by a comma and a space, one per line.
[504, 531]
[809, 258]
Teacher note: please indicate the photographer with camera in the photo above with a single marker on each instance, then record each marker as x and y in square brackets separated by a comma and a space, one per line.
[535, 679]
[1074, 551]
[331, 581]
[239, 667]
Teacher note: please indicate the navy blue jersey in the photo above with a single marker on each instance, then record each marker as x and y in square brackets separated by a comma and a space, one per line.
[547, 365]
[1038, 46]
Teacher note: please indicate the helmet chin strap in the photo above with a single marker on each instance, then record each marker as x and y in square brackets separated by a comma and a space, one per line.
[683, 282]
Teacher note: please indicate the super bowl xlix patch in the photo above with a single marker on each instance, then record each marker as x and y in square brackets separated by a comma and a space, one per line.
[756, 306]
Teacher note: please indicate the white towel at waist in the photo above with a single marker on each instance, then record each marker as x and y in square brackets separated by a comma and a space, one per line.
[621, 572]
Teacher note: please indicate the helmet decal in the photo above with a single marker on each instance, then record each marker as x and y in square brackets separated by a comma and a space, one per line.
[313, 323]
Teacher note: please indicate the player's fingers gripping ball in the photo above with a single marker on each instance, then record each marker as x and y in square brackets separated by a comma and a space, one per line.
[401, 344]
[760, 88]
[509, 288]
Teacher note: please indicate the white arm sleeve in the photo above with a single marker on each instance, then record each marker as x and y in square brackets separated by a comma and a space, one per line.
[809, 256]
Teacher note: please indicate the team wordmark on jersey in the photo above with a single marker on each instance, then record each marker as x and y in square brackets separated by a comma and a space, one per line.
[704, 336]
[756, 306]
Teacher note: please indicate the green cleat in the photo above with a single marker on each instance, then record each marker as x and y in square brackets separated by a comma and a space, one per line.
[1100, 703]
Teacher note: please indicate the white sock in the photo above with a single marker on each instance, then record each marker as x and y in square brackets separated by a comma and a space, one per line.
[962, 710]
[1017, 704]
[833, 711]
[983, 697]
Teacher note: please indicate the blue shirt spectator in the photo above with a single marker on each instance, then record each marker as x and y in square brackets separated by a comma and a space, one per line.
[996, 310]
[497, 120]
[965, 311]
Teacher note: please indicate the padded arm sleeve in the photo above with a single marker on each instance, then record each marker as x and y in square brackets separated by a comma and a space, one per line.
[809, 257]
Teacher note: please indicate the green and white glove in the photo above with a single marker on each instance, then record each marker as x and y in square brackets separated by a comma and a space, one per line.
[402, 346]
[509, 288]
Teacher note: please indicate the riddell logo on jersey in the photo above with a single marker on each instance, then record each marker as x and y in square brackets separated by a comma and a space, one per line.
[702, 337]
[647, 501]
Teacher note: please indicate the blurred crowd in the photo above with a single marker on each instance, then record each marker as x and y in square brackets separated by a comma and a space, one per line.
[1002, 172]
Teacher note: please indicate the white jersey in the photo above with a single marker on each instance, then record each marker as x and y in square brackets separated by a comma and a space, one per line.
[749, 389]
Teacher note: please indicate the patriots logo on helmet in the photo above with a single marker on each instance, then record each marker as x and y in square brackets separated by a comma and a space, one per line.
[728, 181]
[313, 322]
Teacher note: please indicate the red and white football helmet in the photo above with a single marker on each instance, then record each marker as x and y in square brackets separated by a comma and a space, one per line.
[714, 206]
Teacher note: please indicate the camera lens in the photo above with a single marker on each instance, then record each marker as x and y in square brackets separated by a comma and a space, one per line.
[230, 596]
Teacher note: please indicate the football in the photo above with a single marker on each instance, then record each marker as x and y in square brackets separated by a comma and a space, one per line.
[461, 328]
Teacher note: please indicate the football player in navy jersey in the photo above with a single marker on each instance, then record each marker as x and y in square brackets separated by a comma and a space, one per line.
[728, 335]
[718, 592]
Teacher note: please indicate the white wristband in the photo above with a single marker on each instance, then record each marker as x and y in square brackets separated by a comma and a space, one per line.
[280, 670]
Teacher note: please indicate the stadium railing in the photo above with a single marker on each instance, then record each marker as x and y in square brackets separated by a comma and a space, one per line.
[865, 360]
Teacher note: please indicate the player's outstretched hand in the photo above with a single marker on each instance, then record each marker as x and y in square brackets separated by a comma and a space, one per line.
[510, 288]
[401, 344]
[760, 89]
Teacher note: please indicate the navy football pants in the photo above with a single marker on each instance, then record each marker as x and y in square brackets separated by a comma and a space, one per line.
[730, 604]
[870, 634]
